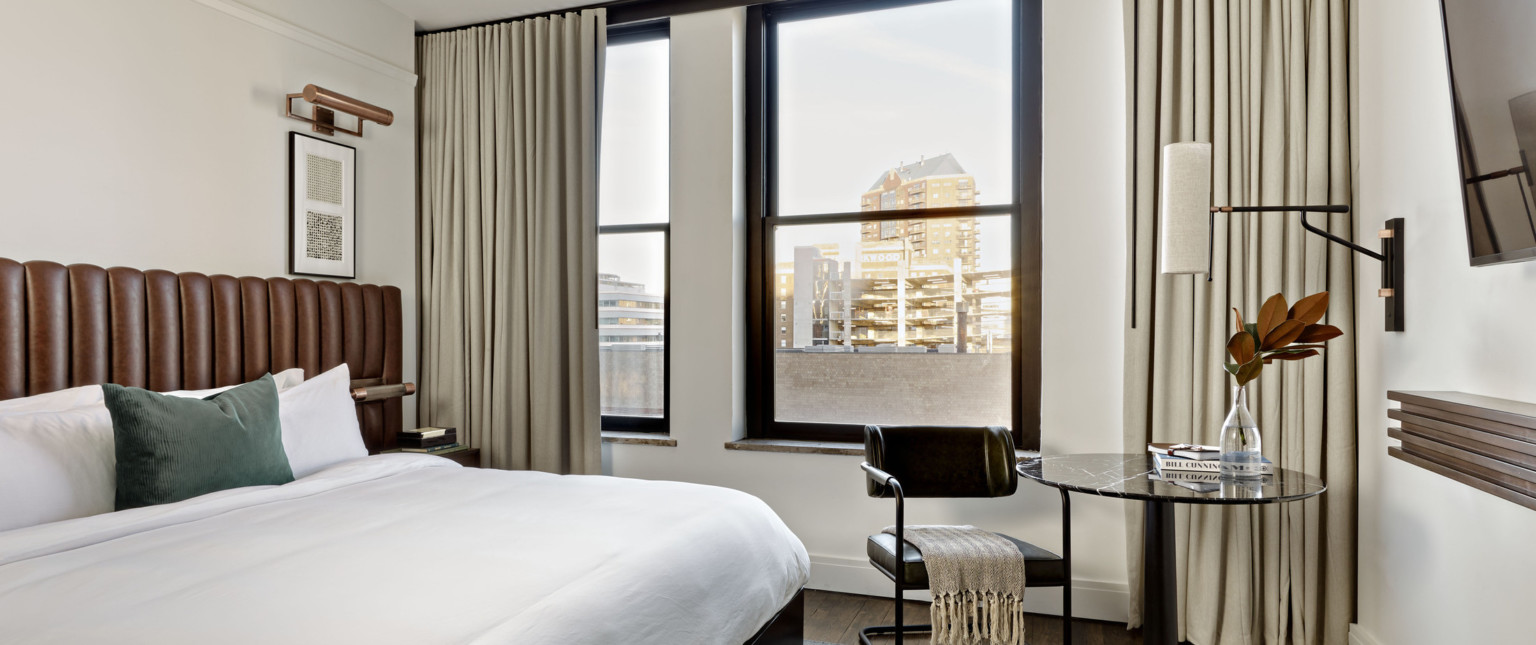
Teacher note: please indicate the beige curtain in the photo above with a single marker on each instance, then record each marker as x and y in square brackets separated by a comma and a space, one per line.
[1267, 82]
[507, 143]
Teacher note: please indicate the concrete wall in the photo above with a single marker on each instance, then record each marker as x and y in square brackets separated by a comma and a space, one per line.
[941, 389]
[151, 134]
[1440, 562]
[821, 497]
[632, 379]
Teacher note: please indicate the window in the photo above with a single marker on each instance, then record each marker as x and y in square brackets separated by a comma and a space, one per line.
[632, 320]
[846, 178]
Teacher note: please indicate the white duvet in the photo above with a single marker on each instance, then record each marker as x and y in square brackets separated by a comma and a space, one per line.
[409, 549]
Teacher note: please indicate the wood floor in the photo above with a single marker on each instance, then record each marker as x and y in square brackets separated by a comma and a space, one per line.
[838, 617]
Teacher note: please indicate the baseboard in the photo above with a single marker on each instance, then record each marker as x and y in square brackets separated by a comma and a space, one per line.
[1090, 598]
[1358, 636]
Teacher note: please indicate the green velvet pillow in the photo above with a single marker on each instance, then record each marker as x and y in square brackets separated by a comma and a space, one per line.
[171, 448]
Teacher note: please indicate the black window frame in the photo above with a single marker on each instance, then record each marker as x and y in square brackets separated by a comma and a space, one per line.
[762, 216]
[628, 34]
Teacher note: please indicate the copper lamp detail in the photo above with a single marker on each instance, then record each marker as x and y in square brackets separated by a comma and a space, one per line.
[327, 103]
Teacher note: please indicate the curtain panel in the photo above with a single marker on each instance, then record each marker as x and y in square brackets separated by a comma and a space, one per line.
[507, 226]
[1267, 83]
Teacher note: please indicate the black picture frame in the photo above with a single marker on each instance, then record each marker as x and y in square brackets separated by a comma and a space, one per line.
[299, 203]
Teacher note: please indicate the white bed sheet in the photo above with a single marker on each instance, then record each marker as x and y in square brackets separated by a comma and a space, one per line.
[409, 549]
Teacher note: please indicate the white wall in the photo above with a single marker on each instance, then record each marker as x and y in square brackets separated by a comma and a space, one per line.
[822, 497]
[1440, 562]
[151, 134]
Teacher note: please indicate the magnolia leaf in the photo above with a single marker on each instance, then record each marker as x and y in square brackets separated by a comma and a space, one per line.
[1249, 371]
[1252, 328]
[1271, 315]
[1232, 368]
[1241, 347]
[1282, 335]
[1292, 356]
[1303, 347]
[1310, 309]
[1239, 316]
[1319, 334]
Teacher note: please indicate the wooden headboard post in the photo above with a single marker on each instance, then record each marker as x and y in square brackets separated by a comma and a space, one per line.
[68, 326]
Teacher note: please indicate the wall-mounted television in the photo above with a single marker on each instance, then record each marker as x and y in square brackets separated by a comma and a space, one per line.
[1492, 60]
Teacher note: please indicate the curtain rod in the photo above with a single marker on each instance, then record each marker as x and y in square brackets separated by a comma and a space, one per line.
[621, 12]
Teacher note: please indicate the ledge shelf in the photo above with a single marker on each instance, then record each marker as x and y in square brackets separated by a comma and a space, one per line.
[1484, 442]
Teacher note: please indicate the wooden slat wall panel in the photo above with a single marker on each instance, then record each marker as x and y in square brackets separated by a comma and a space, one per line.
[280, 304]
[166, 323]
[81, 325]
[47, 327]
[227, 349]
[13, 329]
[197, 331]
[90, 357]
[1483, 442]
[306, 305]
[256, 333]
[130, 337]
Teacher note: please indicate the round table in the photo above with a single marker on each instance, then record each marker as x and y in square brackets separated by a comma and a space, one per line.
[1131, 476]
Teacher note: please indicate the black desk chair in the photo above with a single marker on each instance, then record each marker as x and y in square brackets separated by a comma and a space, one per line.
[937, 461]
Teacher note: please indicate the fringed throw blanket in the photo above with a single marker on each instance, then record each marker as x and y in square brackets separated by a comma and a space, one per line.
[977, 582]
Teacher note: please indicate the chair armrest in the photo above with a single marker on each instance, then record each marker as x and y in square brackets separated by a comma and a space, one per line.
[879, 476]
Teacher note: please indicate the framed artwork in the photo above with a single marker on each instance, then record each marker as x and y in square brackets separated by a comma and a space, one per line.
[322, 207]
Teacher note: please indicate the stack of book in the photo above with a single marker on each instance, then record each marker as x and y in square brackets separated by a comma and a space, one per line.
[429, 440]
[1192, 466]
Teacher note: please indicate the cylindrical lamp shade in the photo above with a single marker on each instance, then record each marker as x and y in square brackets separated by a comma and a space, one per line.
[1185, 208]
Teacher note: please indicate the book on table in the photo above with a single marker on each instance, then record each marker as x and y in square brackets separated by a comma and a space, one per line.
[434, 438]
[1185, 450]
[1167, 463]
[438, 450]
[1195, 481]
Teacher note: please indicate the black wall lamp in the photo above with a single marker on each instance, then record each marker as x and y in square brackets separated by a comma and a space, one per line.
[1188, 221]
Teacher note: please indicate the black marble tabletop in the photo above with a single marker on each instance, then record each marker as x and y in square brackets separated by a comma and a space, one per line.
[1132, 477]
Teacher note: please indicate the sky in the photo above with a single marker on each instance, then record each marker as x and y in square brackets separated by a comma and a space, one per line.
[858, 94]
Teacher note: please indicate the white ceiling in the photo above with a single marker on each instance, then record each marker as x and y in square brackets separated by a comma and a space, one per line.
[442, 14]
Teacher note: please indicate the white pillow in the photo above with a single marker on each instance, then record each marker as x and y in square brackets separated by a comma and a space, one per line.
[56, 465]
[62, 464]
[90, 394]
[319, 420]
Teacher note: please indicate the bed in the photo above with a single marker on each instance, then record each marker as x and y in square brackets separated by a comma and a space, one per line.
[387, 548]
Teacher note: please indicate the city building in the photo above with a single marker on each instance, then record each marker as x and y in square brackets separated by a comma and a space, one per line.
[626, 313]
[939, 182]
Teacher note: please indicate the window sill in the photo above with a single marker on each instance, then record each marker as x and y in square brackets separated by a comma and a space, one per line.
[823, 447]
[639, 438]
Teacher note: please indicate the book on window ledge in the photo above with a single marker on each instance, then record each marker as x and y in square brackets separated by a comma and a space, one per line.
[1165, 464]
[1185, 450]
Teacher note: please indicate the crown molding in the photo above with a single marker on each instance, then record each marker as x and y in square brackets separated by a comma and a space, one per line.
[298, 34]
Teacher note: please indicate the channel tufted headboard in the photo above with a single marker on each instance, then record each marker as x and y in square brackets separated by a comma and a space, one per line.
[67, 326]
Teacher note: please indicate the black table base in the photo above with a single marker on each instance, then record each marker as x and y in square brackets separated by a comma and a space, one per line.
[1159, 580]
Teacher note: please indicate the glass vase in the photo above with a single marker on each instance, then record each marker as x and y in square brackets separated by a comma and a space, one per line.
[1242, 450]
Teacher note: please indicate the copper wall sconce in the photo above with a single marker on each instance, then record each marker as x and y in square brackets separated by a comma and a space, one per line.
[327, 103]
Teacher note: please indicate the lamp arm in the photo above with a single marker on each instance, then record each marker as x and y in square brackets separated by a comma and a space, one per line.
[1329, 208]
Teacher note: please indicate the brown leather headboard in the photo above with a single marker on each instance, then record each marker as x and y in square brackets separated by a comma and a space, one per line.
[63, 327]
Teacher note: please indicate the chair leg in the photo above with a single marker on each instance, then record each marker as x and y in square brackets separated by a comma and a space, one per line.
[900, 605]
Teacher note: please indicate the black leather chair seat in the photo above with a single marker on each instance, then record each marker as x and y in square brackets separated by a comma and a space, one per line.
[1041, 567]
